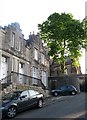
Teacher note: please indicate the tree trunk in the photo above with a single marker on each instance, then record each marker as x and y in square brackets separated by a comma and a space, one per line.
[63, 58]
[62, 68]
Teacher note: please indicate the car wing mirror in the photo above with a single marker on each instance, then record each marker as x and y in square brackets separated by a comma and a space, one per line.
[22, 97]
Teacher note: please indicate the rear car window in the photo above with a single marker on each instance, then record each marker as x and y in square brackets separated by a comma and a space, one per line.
[32, 92]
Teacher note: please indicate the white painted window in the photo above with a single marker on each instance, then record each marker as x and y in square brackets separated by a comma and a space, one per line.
[44, 79]
[21, 70]
[35, 75]
[35, 54]
[4, 69]
[13, 39]
[35, 72]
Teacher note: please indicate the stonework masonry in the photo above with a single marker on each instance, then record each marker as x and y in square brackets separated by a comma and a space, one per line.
[18, 55]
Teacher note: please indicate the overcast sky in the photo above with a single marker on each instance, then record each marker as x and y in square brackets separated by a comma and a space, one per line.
[30, 13]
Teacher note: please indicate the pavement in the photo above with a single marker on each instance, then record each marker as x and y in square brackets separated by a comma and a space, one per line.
[51, 99]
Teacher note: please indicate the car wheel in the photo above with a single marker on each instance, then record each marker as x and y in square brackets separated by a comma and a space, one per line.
[40, 103]
[73, 93]
[55, 93]
[12, 111]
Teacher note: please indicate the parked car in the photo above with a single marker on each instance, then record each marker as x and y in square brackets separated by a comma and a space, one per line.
[17, 101]
[64, 90]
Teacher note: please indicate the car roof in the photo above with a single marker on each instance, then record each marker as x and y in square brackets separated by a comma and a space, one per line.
[19, 90]
[66, 86]
[24, 90]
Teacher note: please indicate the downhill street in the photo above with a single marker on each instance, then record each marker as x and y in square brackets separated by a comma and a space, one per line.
[59, 107]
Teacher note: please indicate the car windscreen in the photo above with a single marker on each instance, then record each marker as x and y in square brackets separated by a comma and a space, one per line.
[11, 96]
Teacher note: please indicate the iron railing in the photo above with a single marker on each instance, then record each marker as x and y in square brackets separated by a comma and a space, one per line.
[21, 79]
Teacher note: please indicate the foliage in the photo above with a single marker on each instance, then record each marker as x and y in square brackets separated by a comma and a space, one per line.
[64, 36]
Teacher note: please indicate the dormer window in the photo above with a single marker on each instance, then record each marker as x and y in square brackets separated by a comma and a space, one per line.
[35, 54]
[13, 39]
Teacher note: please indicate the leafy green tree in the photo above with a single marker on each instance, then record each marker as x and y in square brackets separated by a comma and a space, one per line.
[85, 30]
[64, 36]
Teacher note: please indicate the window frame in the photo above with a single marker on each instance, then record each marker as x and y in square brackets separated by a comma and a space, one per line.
[13, 40]
[36, 54]
[35, 72]
[44, 77]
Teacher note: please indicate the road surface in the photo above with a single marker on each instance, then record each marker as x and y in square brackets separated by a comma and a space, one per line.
[59, 107]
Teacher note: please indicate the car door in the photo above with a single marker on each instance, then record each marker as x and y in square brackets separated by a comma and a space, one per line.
[69, 90]
[23, 100]
[32, 98]
[64, 90]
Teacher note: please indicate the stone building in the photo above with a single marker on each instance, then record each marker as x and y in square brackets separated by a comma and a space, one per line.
[55, 69]
[39, 59]
[22, 61]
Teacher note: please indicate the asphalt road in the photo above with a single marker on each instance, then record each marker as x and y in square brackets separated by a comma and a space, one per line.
[59, 107]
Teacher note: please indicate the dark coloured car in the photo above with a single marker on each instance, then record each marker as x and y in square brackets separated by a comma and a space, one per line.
[64, 90]
[17, 101]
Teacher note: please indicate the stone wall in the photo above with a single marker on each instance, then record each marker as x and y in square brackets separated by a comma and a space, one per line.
[21, 52]
[55, 82]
